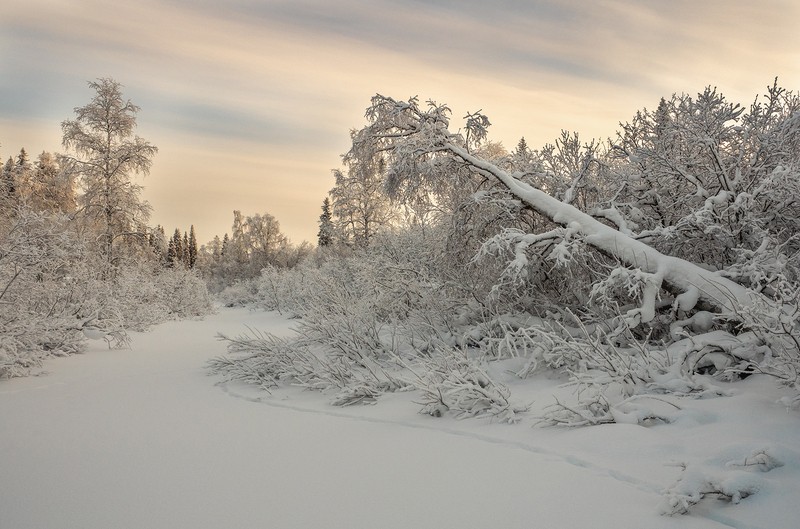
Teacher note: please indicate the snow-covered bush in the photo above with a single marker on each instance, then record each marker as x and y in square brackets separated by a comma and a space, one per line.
[45, 290]
[182, 292]
[240, 293]
[54, 294]
[776, 325]
[451, 381]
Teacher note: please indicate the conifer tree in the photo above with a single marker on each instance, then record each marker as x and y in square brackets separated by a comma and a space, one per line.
[9, 184]
[522, 148]
[191, 248]
[185, 248]
[175, 251]
[225, 249]
[50, 188]
[325, 234]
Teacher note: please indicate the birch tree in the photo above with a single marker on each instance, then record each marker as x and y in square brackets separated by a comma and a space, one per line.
[106, 156]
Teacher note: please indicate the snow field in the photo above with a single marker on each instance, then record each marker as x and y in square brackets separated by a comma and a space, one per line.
[143, 438]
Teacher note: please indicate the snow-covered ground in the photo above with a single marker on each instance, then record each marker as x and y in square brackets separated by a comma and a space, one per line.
[143, 438]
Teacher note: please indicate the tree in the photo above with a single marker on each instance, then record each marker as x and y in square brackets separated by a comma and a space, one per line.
[107, 154]
[191, 249]
[236, 253]
[157, 240]
[325, 234]
[225, 247]
[264, 242]
[23, 160]
[623, 228]
[15, 180]
[175, 251]
[50, 187]
[360, 205]
[522, 150]
[185, 248]
[711, 181]
[8, 185]
[417, 144]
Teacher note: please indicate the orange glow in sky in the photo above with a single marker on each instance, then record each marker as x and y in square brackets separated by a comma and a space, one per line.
[251, 102]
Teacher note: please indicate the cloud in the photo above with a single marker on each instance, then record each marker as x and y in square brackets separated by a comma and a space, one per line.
[253, 97]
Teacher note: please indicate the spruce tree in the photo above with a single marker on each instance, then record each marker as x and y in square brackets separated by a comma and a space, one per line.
[185, 248]
[522, 147]
[191, 248]
[9, 184]
[175, 250]
[226, 242]
[171, 253]
[325, 234]
[23, 162]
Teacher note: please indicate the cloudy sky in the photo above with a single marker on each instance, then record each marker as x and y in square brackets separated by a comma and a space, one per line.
[251, 101]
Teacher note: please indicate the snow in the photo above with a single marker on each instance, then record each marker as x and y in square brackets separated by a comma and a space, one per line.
[145, 438]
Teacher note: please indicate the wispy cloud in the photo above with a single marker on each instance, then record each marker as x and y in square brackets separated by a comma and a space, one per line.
[264, 92]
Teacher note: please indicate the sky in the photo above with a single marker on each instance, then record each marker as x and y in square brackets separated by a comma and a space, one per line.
[251, 102]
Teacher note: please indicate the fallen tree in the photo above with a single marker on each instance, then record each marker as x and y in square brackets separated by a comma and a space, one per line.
[417, 145]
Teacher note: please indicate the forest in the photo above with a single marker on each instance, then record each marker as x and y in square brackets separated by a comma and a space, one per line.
[639, 265]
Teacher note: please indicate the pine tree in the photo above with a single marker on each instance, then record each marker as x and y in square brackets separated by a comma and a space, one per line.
[662, 118]
[325, 234]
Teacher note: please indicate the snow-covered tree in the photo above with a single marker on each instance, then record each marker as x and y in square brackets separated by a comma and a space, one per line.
[8, 187]
[712, 181]
[158, 243]
[175, 250]
[52, 188]
[191, 248]
[360, 205]
[263, 241]
[416, 142]
[107, 155]
[257, 242]
[325, 234]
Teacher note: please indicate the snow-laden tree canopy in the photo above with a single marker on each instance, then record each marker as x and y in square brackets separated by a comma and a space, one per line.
[417, 143]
